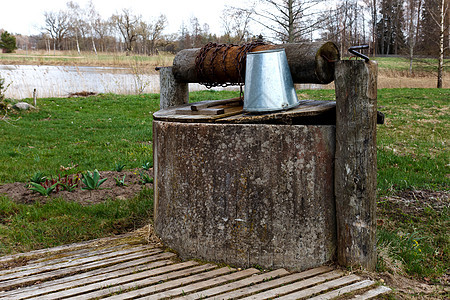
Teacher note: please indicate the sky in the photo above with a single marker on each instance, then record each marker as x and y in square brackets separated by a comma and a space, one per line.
[27, 16]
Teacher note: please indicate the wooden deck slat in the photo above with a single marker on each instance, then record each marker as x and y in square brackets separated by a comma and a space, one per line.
[46, 262]
[28, 280]
[346, 289]
[74, 263]
[80, 252]
[373, 293]
[73, 286]
[235, 285]
[203, 284]
[143, 283]
[73, 291]
[293, 287]
[63, 248]
[321, 287]
[172, 284]
[133, 266]
[274, 283]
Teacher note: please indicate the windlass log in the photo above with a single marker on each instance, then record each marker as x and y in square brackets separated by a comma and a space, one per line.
[225, 64]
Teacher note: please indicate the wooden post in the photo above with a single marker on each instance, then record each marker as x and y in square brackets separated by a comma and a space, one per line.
[34, 98]
[356, 162]
[172, 92]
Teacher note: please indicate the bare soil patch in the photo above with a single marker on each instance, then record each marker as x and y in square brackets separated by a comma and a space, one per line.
[20, 193]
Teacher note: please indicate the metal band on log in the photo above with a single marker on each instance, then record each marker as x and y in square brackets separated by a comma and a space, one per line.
[308, 62]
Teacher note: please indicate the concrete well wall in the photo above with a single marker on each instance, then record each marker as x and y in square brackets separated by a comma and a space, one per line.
[246, 194]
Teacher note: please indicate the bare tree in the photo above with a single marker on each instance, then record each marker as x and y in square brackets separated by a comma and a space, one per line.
[433, 27]
[57, 26]
[157, 27]
[236, 24]
[373, 8]
[75, 16]
[288, 20]
[390, 37]
[412, 19]
[150, 33]
[441, 22]
[101, 30]
[91, 19]
[127, 25]
[344, 24]
[196, 32]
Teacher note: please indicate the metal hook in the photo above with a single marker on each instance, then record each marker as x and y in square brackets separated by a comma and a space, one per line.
[353, 49]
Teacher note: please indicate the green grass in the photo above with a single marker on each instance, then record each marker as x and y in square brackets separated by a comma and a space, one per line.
[418, 241]
[92, 132]
[27, 227]
[425, 65]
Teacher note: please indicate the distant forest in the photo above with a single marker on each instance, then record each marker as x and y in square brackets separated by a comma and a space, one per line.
[389, 27]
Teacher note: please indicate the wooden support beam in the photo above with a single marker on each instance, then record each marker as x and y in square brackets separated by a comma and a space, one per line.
[172, 92]
[356, 162]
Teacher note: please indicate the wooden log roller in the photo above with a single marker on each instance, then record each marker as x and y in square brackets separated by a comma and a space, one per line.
[225, 64]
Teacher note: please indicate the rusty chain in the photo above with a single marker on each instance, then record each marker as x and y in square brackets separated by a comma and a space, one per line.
[240, 60]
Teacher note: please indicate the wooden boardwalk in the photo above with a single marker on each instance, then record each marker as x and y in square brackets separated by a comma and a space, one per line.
[126, 268]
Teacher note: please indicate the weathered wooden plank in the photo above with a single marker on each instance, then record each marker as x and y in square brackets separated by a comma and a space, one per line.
[142, 284]
[274, 283]
[172, 284]
[203, 284]
[290, 288]
[373, 293]
[307, 108]
[346, 289]
[235, 285]
[73, 291]
[51, 267]
[88, 250]
[204, 111]
[99, 279]
[234, 114]
[137, 265]
[234, 101]
[356, 163]
[63, 248]
[61, 258]
[175, 114]
[321, 287]
[28, 280]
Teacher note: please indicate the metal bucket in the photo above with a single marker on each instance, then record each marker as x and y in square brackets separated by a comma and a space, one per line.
[268, 82]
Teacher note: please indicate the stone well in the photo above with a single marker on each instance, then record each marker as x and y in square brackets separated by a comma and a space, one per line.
[245, 194]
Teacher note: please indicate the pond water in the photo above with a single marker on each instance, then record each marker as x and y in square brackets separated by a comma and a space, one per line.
[60, 81]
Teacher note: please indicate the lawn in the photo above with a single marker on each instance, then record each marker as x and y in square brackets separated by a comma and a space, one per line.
[401, 64]
[101, 131]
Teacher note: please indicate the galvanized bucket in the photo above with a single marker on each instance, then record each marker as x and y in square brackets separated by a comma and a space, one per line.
[268, 82]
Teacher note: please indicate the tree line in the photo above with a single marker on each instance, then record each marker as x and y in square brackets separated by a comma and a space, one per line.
[399, 27]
